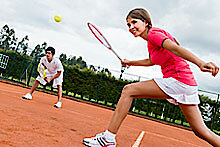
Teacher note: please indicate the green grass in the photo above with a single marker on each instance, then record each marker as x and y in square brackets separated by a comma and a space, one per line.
[109, 103]
[85, 98]
[186, 124]
[216, 131]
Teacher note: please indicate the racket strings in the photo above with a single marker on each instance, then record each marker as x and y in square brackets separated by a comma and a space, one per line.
[102, 39]
[41, 70]
[99, 36]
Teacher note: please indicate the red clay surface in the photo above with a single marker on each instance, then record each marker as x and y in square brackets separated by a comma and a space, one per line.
[25, 123]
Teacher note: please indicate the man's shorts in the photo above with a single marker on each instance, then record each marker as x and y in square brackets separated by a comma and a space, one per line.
[56, 81]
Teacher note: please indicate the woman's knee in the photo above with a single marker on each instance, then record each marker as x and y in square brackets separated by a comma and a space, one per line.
[127, 90]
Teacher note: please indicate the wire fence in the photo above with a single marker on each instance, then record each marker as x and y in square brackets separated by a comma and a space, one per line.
[21, 69]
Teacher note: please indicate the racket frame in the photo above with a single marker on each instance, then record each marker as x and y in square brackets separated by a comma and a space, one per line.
[108, 44]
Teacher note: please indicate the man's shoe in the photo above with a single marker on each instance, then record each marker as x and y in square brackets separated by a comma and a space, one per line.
[58, 105]
[28, 96]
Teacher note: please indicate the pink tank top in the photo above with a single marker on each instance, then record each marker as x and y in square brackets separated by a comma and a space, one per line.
[171, 65]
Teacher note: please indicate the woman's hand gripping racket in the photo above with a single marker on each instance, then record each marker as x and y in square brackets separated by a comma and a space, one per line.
[102, 39]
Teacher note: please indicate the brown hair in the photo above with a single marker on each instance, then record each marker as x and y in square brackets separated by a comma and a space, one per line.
[140, 13]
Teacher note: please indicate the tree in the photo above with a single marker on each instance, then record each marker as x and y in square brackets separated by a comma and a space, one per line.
[23, 45]
[39, 50]
[7, 37]
[63, 58]
[73, 61]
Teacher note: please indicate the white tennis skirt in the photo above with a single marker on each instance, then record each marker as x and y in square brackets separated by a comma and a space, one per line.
[179, 92]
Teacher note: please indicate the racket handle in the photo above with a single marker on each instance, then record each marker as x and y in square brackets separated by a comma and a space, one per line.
[116, 54]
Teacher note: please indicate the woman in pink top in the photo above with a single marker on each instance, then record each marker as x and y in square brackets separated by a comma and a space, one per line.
[177, 85]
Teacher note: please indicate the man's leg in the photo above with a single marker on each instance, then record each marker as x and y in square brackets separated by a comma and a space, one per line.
[59, 87]
[34, 86]
[59, 103]
[28, 96]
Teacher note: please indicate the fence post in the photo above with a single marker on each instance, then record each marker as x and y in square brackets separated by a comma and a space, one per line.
[100, 80]
[65, 72]
[21, 68]
[12, 63]
[213, 119]
[28, 67]
[32, 69]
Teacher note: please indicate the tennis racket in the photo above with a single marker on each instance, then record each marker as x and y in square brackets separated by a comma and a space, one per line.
[102, 39]
[41, 70]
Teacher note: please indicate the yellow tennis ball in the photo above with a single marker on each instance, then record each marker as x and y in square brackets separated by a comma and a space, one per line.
[57, 18]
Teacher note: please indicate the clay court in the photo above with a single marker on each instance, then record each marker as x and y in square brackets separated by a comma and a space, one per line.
[37, 123]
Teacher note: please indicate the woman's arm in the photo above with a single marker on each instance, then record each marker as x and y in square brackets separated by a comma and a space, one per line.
[144, 62]
[182, 52]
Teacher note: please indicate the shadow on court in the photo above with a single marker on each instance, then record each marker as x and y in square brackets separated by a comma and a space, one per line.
[37, 123]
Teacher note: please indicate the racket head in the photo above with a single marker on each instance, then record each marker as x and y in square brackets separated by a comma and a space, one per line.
[41, 70]
[101, 38]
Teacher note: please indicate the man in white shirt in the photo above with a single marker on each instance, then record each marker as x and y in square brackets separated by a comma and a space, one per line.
[54, 71]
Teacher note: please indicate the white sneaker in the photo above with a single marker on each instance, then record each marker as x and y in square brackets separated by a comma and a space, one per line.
[58, 104]
[99, 141]
[28, 96]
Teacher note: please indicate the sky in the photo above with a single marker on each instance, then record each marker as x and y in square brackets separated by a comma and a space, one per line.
[194, 23]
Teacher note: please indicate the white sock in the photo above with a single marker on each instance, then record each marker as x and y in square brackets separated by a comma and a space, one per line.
[109, 135]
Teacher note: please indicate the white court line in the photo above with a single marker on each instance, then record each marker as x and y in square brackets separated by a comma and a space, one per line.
[138, 141]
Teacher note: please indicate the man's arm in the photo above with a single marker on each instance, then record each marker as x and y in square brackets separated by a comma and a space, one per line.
[54, 77]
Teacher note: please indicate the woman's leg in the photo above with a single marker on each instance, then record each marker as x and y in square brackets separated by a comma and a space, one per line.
[197, 124]
[143, 89]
